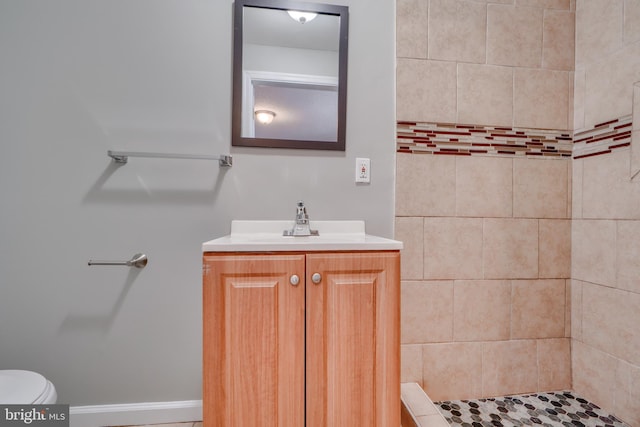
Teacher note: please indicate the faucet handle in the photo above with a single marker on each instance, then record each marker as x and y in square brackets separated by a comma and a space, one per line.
[301, 226]
[301, 212]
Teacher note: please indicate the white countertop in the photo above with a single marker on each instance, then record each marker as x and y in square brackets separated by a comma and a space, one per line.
[266, 236]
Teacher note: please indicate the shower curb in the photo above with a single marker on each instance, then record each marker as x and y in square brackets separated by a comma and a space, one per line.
[417, 408]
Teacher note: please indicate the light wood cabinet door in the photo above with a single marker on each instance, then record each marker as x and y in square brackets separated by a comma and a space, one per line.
[353, 340]
[253, 346]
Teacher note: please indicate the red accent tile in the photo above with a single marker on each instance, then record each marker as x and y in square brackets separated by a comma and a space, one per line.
[592, 154]
[599, 125]
[623, 125]
[602, 138]
[508, 135]
[451, 153]
[439, 132]
[575, 141]
[626, 144]
[623, 135]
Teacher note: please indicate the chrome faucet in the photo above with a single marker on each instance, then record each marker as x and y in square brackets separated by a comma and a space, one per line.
[302, 226]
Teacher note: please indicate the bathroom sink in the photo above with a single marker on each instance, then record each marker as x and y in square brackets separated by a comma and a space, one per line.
[260, 236]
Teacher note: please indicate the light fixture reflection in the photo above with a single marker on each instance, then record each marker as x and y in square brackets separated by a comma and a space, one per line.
[264, 116]
[302, 17]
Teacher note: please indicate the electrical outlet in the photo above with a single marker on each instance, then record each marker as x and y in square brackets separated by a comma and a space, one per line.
[363, 170]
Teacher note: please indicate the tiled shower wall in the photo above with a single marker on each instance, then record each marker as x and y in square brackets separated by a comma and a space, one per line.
[606, 212]
[486, 303]
[492, 238]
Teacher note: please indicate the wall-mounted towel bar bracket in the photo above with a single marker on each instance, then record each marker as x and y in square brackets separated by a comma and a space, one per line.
[122, 157]
[138, 261]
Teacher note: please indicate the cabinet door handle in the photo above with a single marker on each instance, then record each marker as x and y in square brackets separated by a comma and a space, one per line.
[316, 278]
[294, 280]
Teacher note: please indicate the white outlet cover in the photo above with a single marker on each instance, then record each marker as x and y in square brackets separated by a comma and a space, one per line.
[363, 170]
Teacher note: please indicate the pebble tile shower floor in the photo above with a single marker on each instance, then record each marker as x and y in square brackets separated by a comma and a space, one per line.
[556, 409]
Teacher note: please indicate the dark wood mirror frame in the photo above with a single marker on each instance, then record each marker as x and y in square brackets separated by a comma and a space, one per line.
[236, 135]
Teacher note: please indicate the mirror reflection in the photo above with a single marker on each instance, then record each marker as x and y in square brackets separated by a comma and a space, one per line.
[289, 74]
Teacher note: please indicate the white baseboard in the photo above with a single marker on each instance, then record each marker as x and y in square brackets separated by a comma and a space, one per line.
[135, 413]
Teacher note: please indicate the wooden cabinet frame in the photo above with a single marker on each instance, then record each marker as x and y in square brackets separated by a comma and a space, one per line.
[315, 355]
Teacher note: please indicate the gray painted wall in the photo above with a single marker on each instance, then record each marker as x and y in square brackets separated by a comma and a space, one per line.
[78, 78]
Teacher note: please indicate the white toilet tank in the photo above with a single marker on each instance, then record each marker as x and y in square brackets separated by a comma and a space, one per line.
[25, 387]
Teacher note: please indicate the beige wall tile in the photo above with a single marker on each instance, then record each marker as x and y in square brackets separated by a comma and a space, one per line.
[409, 231]
[567, 309]
[411, 363]
[609, 85]
[599, 25]
[593, 251]
[541, 98]
[496, 1]
[631, 24]
[571, 101]
[484, 187]
[452, 371]
[569, 188]
[576, 188]
[607, 191]
[628, 255]
[457, 30]
[425, 185]
[627, 393]
[547, 4]
[452, 248]
[558, 44]
[610, 319]
[540, 188]
[510, 248]
[411, 28]
[485, 95]
[537, 308]
[554, 364]
[579, 96]
[554, 258]
[635, 153]
[514, 36]
[593, 374]
[427, 312]
[576, 309]
[635, 135]
[426, 90]
[509, 367]
[481, 309]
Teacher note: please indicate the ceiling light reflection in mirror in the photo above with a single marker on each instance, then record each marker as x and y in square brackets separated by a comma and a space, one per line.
[291, 67]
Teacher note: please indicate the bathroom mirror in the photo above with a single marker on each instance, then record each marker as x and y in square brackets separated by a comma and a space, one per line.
[289, 74]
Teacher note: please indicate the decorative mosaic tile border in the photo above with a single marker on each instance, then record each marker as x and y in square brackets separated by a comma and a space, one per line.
[468, 140]
[603, 138]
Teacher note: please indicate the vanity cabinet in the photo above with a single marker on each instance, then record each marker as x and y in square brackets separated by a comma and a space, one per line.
[301, 339]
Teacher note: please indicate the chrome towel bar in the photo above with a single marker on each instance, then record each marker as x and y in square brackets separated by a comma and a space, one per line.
[123, 156]
[138, 261]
